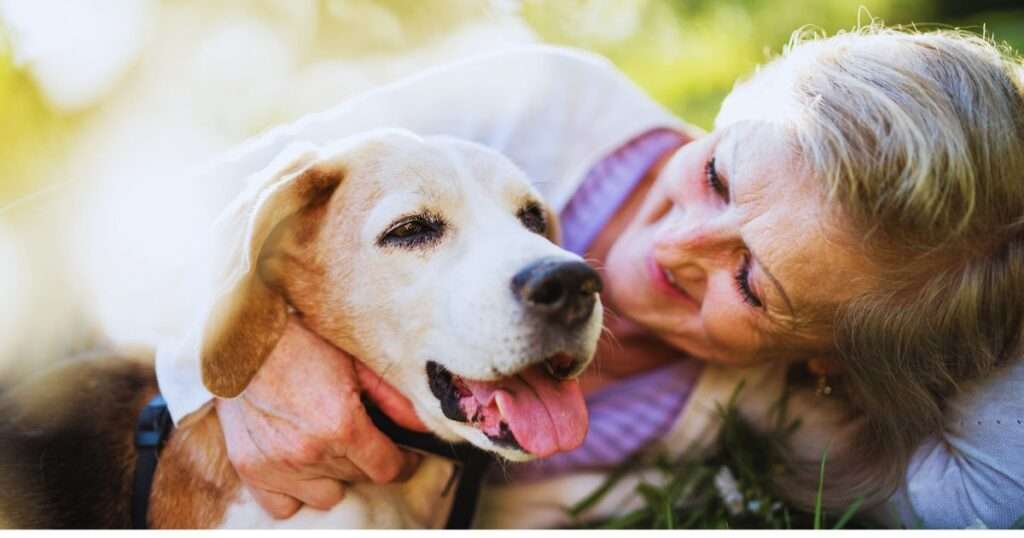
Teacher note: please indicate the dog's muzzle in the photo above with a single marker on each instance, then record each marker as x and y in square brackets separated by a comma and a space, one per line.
[538, 408]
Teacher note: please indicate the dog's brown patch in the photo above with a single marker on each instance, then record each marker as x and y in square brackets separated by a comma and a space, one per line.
[194, 482]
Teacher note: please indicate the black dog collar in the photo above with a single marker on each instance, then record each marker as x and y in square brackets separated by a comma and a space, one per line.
[471, 463]
[151, 433]
[155, 426]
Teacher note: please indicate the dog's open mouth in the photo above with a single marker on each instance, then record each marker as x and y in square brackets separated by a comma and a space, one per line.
[532, 411]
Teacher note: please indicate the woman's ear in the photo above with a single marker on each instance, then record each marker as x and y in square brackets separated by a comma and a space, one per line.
[248, 315]
[824, 366]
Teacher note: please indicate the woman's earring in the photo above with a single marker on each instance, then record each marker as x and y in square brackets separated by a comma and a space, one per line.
[823, 389]
[820, 368]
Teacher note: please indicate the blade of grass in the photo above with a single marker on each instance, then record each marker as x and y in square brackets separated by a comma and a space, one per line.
[657, 503]
[695, 476]
[590, 500]
[670, 520]
[691, 519]
[849, 513]
[651, 494]
[627, 520]
[819, 517]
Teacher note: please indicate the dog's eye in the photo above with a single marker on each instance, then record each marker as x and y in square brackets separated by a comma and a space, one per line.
[532, 216]
[413, 232]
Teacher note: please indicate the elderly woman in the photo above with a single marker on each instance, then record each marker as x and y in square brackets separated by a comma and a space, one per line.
[852, 230]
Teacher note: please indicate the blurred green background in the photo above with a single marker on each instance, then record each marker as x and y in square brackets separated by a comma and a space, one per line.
[686, 53]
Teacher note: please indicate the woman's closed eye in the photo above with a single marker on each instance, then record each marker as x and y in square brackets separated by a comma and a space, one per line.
[742, 279]
[714, 181]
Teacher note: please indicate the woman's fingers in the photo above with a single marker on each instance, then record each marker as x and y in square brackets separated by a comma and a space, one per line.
[278, 505]
[277, 486]
[320, 493]
[343, 469]
[375, 454]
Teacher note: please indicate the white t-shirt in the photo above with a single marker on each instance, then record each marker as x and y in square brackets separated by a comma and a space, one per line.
[556, 112]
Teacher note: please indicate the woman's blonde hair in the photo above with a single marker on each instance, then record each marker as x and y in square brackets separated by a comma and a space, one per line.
[917, 139]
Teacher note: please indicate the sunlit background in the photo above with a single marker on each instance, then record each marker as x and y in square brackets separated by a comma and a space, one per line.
[108, 97]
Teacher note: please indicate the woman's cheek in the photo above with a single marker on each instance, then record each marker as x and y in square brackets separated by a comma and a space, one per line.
[731, 337]
[618, 274]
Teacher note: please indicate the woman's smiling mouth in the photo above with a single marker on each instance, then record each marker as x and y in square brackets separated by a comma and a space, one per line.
[664, 281]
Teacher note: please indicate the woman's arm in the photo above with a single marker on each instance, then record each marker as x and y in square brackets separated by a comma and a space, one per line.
[549, 109]
[974, 473]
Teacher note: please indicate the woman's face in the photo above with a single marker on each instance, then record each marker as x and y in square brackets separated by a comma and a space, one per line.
[731, 241]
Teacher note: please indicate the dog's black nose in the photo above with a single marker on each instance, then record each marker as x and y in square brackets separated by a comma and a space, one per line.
[563, 291]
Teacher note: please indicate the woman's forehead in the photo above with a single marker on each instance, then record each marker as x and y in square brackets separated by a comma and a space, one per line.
[755, 143]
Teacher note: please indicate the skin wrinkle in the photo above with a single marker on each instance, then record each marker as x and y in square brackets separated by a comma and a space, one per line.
[834, 232]
[753, 197]
[274, 419]
[259, 449]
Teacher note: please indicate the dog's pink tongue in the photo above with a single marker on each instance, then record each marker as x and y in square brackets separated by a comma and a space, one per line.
[545, 415]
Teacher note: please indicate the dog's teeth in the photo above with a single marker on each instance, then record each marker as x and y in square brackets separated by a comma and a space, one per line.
[501, 412]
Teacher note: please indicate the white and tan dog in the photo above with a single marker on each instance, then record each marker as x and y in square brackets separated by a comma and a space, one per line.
[431, 259]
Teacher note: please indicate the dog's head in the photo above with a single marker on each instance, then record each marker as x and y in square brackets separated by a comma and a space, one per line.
[432, 260]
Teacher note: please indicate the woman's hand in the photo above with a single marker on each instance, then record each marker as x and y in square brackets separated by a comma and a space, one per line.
[300, 428]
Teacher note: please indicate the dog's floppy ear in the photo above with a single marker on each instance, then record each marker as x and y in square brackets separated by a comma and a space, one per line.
[248, 316]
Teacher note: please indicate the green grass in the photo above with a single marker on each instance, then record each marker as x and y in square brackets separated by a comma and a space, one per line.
[688, 493]
[688, 54]
[697, 494]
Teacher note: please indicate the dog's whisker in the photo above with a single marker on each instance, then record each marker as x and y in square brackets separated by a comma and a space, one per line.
[610, 314]
[608, 336]
[503, 464]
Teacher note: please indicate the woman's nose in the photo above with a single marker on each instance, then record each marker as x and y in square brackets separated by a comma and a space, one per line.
[698, 239]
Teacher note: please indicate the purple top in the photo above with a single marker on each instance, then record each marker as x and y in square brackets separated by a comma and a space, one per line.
[609, 183]
[629, 414]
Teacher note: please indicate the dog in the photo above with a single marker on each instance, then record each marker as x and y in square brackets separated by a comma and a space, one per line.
[433, 260]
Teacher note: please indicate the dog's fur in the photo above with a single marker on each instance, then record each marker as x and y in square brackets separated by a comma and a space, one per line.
[311, 235]
[67, 450]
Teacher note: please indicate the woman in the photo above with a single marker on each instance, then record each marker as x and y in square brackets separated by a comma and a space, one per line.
[856, 214]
